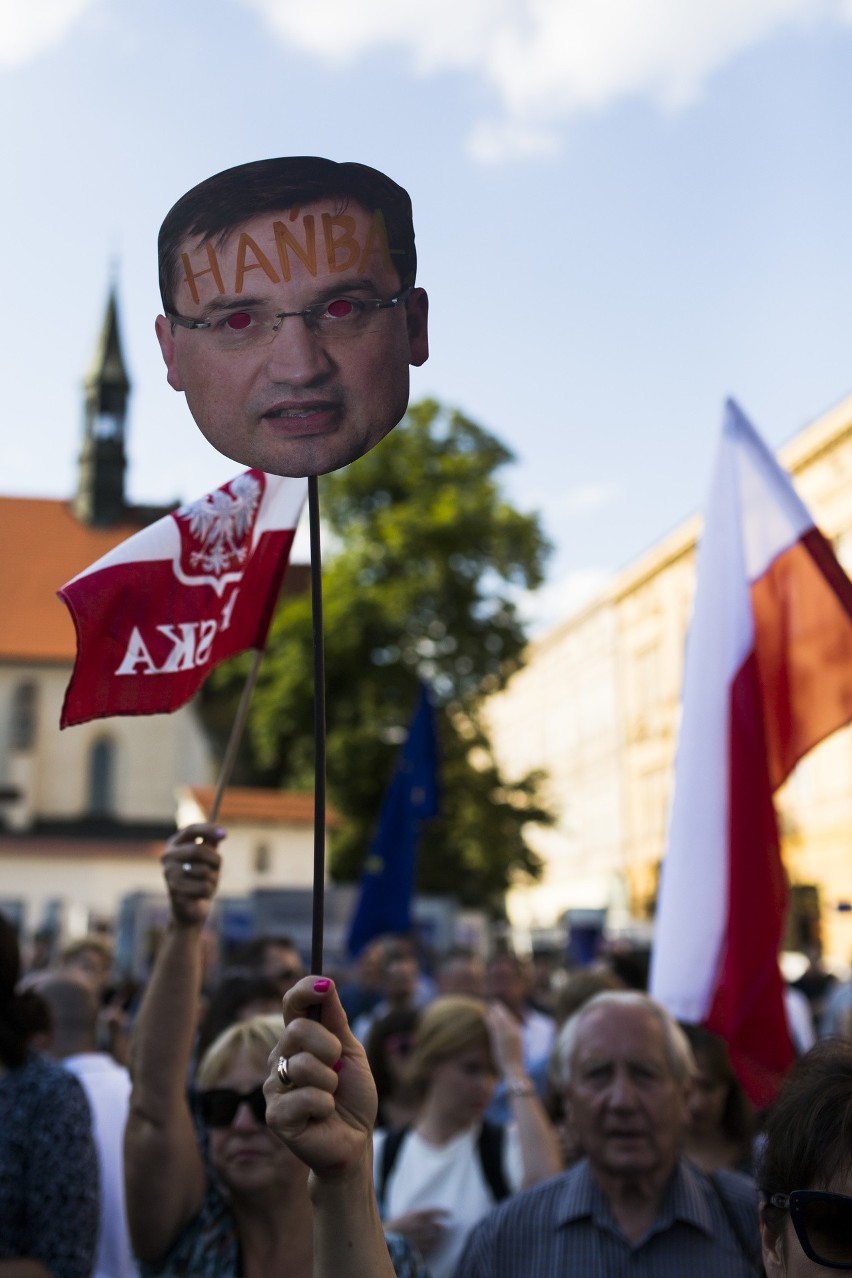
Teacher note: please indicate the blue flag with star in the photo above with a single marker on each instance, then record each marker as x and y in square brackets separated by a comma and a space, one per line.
[387, 884]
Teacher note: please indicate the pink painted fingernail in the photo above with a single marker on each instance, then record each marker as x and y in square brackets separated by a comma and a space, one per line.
[338, 1066]
[219, 832]
[322, 985]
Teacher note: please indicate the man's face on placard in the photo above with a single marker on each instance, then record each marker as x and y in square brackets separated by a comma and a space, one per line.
[295, 396]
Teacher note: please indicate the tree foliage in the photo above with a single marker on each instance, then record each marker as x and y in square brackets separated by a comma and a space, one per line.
[425, 560]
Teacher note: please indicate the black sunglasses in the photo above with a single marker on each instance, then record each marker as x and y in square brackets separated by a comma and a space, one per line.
[218, 1106]
[823, 1225]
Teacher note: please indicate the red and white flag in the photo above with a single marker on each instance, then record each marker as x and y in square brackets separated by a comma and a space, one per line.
[157, 613]
[768, 675]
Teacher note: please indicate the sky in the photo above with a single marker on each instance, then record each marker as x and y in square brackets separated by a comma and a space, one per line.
[626, 210]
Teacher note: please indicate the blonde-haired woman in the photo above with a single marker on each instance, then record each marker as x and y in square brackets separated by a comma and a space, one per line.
[438, 1178]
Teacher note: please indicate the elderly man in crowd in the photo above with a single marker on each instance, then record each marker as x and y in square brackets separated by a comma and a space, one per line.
[634, 1205]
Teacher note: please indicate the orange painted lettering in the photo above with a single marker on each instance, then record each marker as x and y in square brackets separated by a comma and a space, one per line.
[262, 263]
[376, 242]
[345, 242]
[190, 276]
[286, 240]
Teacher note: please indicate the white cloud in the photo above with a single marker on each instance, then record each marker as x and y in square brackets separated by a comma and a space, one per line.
[546, 60]
[496, 141]
[558, 600]
[578, 588]
[26, 30]
[579, 501]
[439, 34]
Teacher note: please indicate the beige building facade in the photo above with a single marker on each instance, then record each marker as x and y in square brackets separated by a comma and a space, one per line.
[597, 707]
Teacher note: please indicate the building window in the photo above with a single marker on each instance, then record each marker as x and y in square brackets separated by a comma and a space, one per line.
[261, 858]
[24, 700]
[102, 778]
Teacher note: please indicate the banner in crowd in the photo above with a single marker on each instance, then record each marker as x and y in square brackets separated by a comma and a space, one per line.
[157, 613]
[768, 675]
[387, 886]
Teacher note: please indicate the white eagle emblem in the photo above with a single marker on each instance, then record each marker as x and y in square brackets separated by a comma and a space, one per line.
[216, 532]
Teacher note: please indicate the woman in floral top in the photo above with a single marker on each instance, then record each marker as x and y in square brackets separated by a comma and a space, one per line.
[288, 1191]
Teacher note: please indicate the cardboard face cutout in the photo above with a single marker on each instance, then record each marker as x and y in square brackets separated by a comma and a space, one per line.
[291, 316]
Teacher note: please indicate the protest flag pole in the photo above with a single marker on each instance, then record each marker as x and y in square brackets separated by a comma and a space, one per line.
[236, 734]
[318, 919]
[242, 533]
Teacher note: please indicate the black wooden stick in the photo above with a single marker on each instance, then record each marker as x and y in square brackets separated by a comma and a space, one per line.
[319, 730]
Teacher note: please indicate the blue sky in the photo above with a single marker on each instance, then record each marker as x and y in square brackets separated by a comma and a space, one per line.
[626, 210]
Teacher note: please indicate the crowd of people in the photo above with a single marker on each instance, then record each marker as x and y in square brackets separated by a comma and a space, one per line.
[476, 1120]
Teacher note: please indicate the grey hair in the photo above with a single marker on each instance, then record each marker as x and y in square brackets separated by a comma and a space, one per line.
[678, 1050]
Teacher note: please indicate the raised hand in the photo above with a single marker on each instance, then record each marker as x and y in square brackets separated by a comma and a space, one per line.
[191, 864]
[325, 1108]
[506, 1042]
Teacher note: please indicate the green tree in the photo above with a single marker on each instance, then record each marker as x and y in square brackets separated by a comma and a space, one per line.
[425, 557]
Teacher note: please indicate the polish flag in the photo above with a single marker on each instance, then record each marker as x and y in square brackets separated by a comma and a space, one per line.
[768, 675]
[157, 613]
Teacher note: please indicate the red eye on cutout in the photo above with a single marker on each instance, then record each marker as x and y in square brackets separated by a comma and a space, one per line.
[340, 308]
[240, 320]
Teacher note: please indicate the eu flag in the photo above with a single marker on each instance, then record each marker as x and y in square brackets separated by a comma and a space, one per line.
[387, 885]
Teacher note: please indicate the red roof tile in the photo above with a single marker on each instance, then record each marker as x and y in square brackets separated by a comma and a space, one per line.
[45, 545]
[245, 804]
[70, 848]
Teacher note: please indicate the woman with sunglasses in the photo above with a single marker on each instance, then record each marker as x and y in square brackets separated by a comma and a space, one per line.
[284, 1189]
[806, 1167]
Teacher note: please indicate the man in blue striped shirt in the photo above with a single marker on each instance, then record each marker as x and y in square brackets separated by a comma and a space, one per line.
[634, 1206]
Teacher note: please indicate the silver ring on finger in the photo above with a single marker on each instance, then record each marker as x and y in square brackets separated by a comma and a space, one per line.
[187, 867]
[283, 1073]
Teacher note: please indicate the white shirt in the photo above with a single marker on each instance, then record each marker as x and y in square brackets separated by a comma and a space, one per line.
[107, 1086]
[538, 1034]
[800, 1020]
[448, 1177]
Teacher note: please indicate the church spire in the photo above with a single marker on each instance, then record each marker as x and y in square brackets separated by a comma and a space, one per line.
[100, 487]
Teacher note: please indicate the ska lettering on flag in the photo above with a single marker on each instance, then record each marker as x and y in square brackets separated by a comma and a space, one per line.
[156, 614]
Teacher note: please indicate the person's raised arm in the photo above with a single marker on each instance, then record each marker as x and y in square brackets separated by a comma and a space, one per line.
[539, 1146]
[325, 1114]
[164, 1172]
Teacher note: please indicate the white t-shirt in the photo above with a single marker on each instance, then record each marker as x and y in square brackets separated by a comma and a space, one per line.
[449, 1177]
[107, 1086]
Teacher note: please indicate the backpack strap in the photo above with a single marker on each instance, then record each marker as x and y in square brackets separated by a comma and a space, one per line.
[490, 1148]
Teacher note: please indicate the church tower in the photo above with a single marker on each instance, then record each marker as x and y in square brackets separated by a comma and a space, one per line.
[99, 499]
